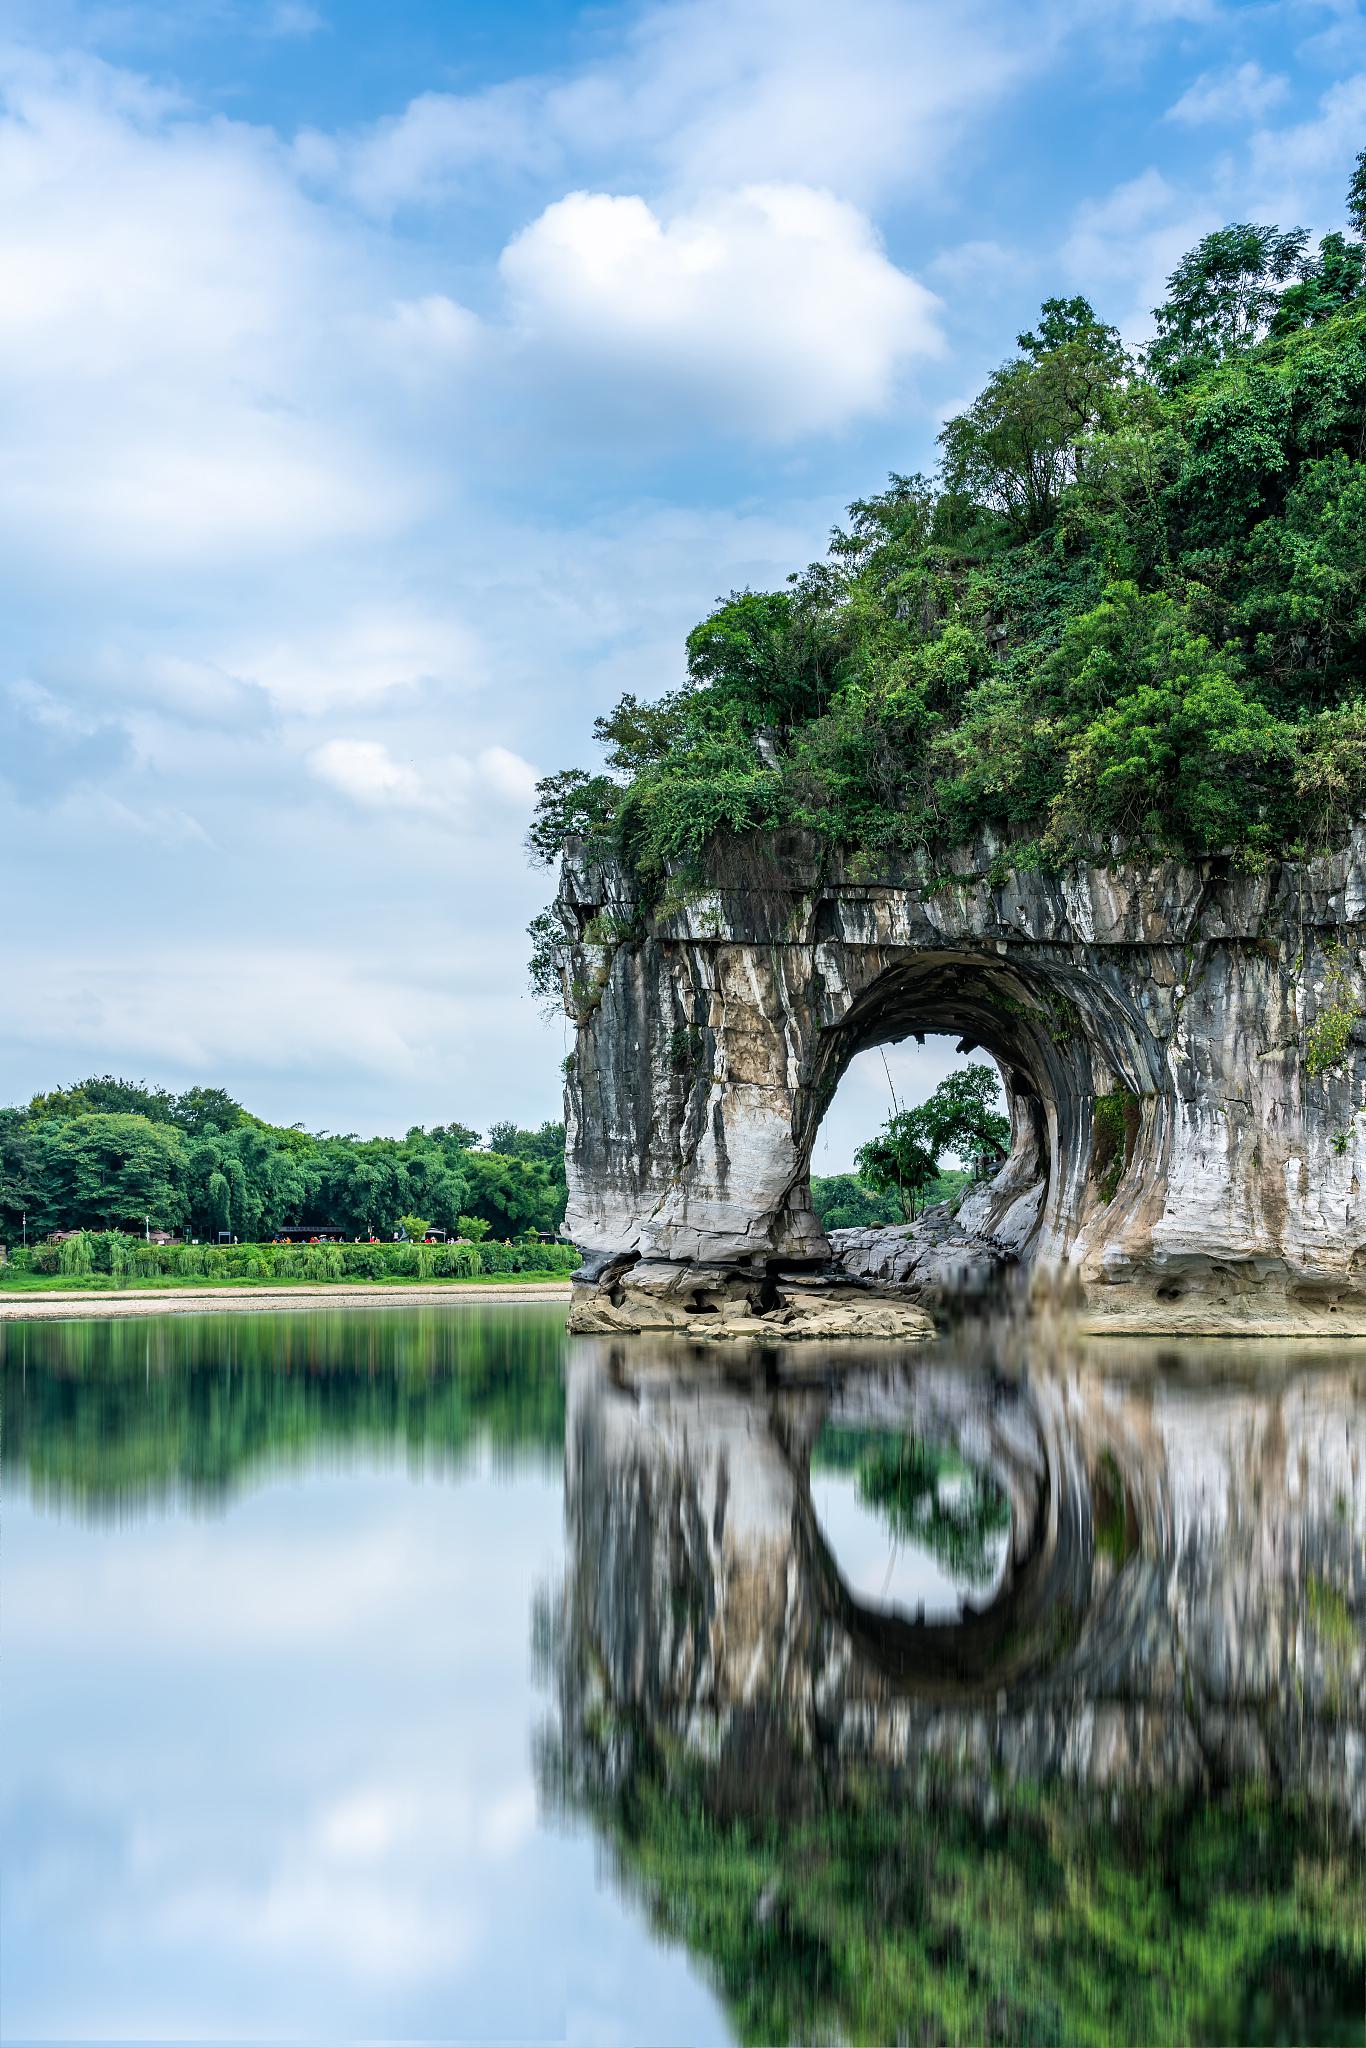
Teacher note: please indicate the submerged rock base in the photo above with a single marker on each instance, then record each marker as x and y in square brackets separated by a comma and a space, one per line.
[724, 1305]
[1180, 1605]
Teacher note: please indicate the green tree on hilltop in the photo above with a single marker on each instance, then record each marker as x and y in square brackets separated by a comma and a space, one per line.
[1126, 620]
[1221, 298]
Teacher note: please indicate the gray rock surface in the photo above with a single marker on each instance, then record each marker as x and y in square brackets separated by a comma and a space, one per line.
[722, 1307]
[713, 1032]
[935, 1258]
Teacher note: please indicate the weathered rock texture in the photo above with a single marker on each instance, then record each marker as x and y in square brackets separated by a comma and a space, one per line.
[937, 1259]
[1183, 1601]
[712, 1035]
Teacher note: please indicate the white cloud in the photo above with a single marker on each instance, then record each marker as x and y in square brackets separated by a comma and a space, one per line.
[169, 334]
[1244, 94]
[1338, 45]
[1128, 209]
[866, 98]
[1153, 13]
[367, 772]
[240, 1008]
[974, 266]
[178, 486]
[293, 18]
[1123, 247]
[427, 151]
[507, 775]
[168, 826]
[1319, 152]
[194, 690]
[776, 306]
[431, 337]
[362, 657]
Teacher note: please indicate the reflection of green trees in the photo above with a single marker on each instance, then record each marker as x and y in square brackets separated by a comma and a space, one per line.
[899, 1920]
[926, 1495]
[113, 1413]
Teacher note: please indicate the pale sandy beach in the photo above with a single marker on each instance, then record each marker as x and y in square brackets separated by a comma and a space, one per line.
[151, 1301]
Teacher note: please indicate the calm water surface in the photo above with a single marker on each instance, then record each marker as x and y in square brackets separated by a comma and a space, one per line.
[427, 1675]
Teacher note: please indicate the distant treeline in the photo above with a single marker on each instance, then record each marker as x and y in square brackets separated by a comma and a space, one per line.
[844, 1202]
[108, 1154]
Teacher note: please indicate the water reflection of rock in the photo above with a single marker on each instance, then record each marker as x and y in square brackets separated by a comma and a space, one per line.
[1183, 1602]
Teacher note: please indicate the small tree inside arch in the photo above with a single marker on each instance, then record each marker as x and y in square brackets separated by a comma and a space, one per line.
[960, 1116]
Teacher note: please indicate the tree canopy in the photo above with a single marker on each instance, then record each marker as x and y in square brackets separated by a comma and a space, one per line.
[1127, 616]
[902, 1159]
[109, 1154]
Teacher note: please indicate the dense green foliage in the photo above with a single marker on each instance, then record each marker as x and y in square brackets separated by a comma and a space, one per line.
[1117, 1116]
[1130, 612]
[106, 1154]
[844, 1202]
[91, 1258]
[905, 1919]
[1330, 1037]
[959, 1116]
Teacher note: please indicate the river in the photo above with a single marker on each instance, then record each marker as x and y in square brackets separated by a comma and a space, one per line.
[427, 1675]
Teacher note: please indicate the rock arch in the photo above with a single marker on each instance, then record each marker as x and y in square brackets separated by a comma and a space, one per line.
[712, 1033]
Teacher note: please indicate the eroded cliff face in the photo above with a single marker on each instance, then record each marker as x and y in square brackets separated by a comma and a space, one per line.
[1187, 1001]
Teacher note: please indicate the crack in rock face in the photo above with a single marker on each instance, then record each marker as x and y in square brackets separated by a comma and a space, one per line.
[1183, 1001]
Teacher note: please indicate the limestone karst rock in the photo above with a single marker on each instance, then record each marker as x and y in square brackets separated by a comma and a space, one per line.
[1186, 1154]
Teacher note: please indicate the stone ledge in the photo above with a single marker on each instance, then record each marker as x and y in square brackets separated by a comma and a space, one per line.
[933, 1260]
[712, 1316]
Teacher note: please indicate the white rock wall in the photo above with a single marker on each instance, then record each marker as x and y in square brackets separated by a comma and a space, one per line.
[712, 1037]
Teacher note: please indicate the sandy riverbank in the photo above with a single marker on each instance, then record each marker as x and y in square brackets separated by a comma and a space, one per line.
[71, 1304]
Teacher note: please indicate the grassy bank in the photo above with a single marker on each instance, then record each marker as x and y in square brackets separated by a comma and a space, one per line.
[19, 1283]
[110, 1259]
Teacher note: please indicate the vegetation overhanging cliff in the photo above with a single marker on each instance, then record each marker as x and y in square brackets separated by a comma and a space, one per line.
[1065, 754]
[1128, 618]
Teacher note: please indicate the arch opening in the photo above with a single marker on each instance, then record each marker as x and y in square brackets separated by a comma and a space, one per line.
[886, 1080]
[1037, 1033]
[726, 1207]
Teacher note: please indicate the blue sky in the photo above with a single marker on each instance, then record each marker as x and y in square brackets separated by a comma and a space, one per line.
[387, 389]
